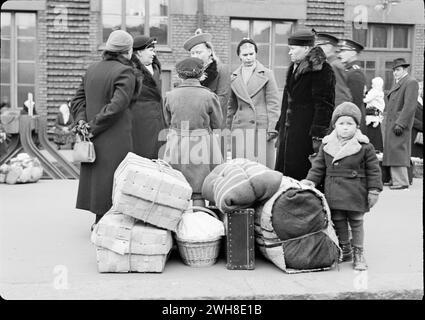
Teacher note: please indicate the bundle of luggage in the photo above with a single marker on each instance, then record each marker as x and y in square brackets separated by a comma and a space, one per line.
[21, 169]
[293, 228]
[149, 198]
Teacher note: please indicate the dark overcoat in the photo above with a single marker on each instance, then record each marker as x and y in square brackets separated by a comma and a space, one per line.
[147, 111]
[400, 109]
[307, 105]
[103, 100]
[347, 180]
[356, 82]
[418, 149]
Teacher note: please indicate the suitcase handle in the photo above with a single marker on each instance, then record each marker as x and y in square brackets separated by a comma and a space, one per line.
[205, 210]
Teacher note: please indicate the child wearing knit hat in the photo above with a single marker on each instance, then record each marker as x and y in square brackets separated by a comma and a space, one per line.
[347, 163]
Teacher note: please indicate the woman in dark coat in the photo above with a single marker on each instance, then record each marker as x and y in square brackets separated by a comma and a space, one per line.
[307, 105]
[101, 104]
[148, 117]
[417, 149]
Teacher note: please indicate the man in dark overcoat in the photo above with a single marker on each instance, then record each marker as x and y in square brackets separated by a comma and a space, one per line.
[400, 113]
[307, 105]
[349, 51]
[101, 105]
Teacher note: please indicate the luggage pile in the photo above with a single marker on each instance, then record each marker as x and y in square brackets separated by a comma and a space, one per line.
[292, 223]
[149, 198]
[21, 169]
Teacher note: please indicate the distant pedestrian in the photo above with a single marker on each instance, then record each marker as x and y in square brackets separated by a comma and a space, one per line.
[307, 105]
[192, 112]
[147, 109]
[101, 106]
[349, 167]
[253, 106]
[375, 106]
[349, 51]
[400, 114]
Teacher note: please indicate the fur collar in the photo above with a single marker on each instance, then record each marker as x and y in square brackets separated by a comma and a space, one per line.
[312, 62]
[210, 73]
[333, 147]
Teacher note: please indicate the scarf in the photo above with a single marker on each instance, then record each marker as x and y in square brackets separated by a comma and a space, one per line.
[210, 74]
[340, 148]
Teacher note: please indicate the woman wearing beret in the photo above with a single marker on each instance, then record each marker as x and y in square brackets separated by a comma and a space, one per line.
[148, 118]
[216, 75]
[101, 105]
[253, 109]
[192, 111]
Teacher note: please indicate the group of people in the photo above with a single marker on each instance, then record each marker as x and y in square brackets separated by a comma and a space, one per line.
[320, 130]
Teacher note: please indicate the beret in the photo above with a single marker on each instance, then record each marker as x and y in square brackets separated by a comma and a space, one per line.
[142, 42]
[197, 39]
[246, 40]
[301, 38]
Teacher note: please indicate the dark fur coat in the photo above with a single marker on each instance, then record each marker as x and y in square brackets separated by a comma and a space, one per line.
[307, 106]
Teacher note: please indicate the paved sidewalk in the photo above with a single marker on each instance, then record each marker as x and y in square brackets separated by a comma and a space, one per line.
[45, 253]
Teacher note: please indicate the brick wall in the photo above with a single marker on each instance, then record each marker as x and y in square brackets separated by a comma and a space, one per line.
[326, 16]
[41, 80]
[418, 52]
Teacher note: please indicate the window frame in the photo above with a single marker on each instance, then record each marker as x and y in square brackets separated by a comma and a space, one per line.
[13, 60]
[159, 47]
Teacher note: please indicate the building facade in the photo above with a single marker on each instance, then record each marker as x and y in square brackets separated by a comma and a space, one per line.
[46, 45]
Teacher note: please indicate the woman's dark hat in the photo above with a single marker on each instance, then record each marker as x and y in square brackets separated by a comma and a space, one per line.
[400, 62]
[301, 38]
[190, 67]
[142, 42]
[243, 41]
[198, 38]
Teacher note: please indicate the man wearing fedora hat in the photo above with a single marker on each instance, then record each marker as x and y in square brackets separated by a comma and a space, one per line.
[307, 105]
[400, 114]
[329, 45]
[349, 51]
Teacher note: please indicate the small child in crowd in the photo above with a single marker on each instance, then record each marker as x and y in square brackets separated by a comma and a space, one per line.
[375, 103]
[347, 163]
[192, 111]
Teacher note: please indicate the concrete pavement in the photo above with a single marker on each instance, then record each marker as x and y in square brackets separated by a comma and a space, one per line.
[45, 253]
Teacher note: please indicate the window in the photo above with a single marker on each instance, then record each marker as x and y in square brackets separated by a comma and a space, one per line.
[272, 41]
[18, 56]
[383, 36]
[148, 17]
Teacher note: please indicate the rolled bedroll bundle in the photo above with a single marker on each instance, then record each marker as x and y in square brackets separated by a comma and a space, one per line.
[294, 229]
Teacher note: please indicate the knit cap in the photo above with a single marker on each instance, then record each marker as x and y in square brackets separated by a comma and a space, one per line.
[346, 109]
[119, 41]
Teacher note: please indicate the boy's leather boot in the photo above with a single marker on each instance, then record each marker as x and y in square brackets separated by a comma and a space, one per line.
[359, 259]
[347, 252]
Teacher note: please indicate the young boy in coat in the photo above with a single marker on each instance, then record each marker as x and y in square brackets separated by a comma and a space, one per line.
[348, 164]
[192, 112]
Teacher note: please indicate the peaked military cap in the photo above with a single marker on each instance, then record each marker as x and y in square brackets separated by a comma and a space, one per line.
[347, 44]
[400, 62]
[142, 42]
[326, 38]
[198, 38]
[301, 38]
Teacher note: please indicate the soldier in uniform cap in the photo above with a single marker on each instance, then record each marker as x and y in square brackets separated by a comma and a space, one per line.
[329, 44]
[356, 80]
[148, 117]
[216, 75]
[307, 105]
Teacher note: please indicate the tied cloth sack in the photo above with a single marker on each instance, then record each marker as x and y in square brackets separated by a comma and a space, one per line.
[83, 150]
[294, 229]
[239, 183]
[124, 244]
[151, 191]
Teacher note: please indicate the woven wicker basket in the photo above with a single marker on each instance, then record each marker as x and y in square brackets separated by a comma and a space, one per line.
[200, 253]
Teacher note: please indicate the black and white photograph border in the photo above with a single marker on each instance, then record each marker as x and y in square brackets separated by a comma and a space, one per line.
[46, 252]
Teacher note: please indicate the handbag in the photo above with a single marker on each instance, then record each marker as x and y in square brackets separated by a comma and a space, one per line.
[419, 138]
[83, 150]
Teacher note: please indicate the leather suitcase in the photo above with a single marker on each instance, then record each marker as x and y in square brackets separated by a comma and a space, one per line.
[240, 242]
